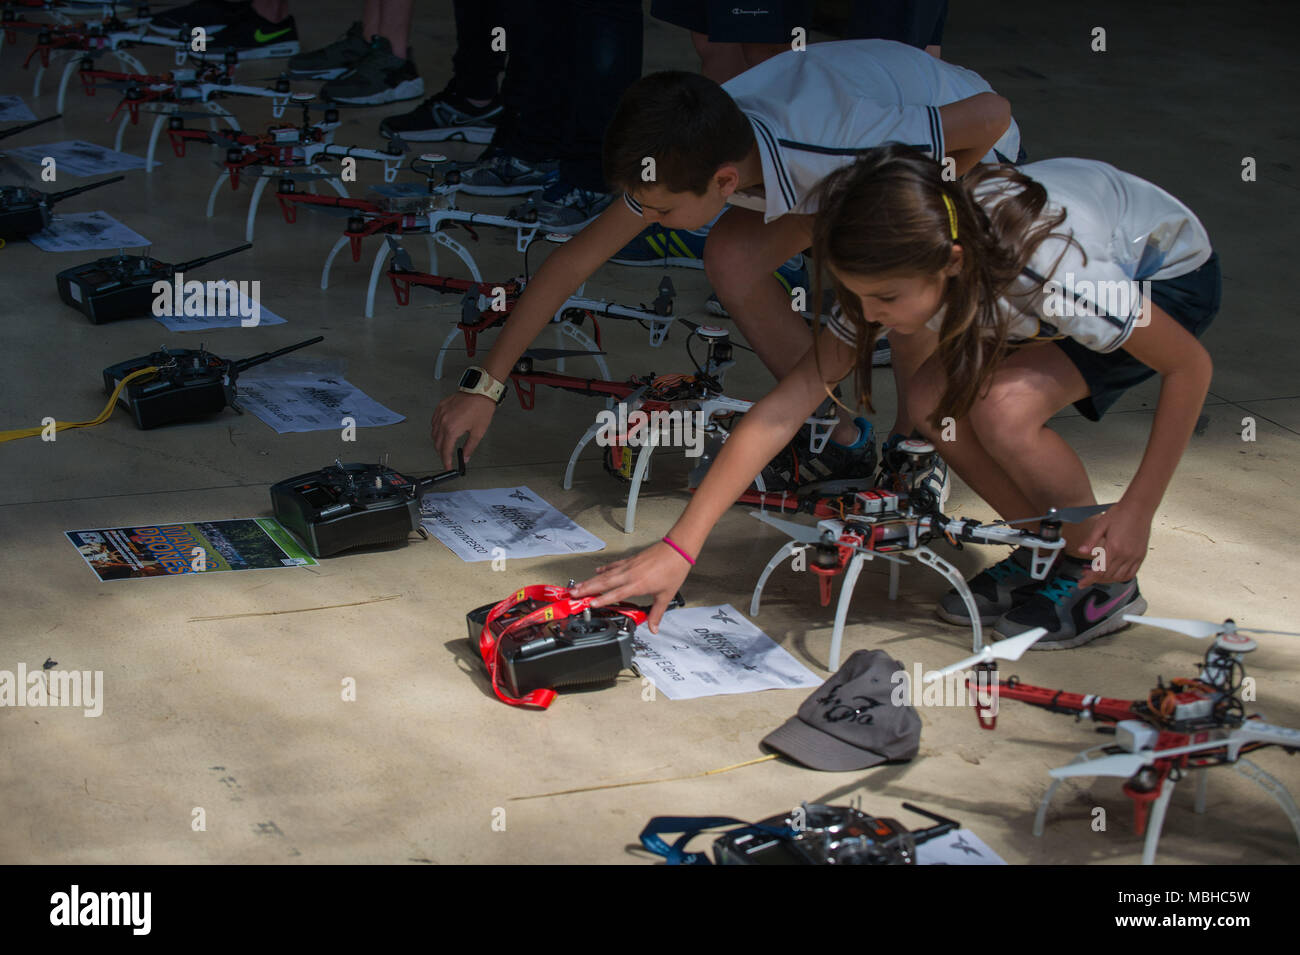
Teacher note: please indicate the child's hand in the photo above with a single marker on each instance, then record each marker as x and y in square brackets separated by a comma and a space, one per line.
[658, 570]
[1122, 534]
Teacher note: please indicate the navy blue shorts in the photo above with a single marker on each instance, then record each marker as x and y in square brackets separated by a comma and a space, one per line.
[1192, 300]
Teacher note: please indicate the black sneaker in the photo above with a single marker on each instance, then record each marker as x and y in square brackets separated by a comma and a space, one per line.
[212, 15]
[1072, 616]
[331, 62]
[381, 76]
[837, 466]
[446, 117]
[997, 590]
[256, 38]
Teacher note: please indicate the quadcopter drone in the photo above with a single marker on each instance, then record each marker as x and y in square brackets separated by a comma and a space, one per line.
[699, 395]
[1188, 724]
[486, 306]
[165, 95]
[892, 523]
[430, 211]
[287, 153]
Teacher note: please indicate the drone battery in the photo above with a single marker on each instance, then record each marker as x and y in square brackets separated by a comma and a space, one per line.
[877, 501]
[110, 289]
[576, 651]
[190, 388]
[346, 506]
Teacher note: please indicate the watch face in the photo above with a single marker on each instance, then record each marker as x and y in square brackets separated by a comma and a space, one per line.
[471, 378]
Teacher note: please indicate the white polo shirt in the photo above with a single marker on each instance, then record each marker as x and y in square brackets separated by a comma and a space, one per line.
[1127, 230]
[816, 110]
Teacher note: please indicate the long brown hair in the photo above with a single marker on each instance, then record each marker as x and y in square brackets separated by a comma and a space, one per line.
[885, 214]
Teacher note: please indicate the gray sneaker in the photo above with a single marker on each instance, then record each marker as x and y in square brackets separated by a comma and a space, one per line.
[503, 175]
[379, 77]
[563, 208]
[1072, 615]
[331, 62]
[996, 590]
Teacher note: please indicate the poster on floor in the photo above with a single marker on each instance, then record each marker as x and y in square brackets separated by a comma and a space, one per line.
[961, 847]
[312, 402]
[14, 110]
[161, 550]
[76, 157]
[711, 651]
[504, 523]
[84, 232]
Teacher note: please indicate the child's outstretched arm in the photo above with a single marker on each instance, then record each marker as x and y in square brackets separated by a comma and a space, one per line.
[1185, 369]
[557, 279]
[659, 570]
[972, 126]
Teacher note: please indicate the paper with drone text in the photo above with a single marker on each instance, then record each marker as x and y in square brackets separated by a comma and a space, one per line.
[312, 402]
[217, 313]
[710, 651]
[84, 231]
[504, 523]
[76, 157]
[14, 110]
[960, 847]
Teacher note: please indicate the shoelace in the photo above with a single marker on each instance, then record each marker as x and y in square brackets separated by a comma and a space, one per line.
[1006, 567]
[1059, 588]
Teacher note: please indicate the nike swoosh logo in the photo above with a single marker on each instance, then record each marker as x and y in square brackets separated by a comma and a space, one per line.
[1093, 611]
[261, 37]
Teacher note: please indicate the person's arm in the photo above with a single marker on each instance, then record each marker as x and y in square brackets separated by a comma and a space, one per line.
[556, 280]
[762, 433]
[972, 126]
[1185, 369]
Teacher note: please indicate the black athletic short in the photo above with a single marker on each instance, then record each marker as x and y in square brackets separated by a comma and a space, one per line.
[736, 21]
[1191, 300]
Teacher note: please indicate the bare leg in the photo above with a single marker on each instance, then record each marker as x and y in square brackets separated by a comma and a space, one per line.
[740, 256]
[394, 23]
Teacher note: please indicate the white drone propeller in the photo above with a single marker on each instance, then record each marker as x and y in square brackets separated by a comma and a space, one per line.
[1013, 648]
[1126, 764]
[1200, 629]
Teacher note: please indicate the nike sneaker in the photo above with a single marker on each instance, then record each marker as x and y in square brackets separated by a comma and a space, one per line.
[446, 117]
[212, 15]
[996, 590]
[1073, 615]
[255, 38]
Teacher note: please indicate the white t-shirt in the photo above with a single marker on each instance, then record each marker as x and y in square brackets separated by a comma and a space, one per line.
[816, 110]
[1129, 229]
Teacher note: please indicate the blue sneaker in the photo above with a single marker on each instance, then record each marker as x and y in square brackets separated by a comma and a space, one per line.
[793, 274]
[657, 246]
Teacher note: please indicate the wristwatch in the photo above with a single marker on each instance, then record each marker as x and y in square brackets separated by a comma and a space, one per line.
[477, 381]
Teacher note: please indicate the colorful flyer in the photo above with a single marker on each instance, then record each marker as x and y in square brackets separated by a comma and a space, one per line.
[160, 550]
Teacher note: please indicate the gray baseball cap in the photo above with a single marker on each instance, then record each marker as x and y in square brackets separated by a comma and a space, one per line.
[851, 722]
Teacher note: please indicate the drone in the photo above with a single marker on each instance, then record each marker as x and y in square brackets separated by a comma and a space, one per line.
[287, 153]
[1190, 723]
[165, 95]
[112, 35]
[485, 306]
[429, 211]
[699, 395]
[895, 522]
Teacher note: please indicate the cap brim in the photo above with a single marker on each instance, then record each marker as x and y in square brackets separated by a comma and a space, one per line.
[818, 750]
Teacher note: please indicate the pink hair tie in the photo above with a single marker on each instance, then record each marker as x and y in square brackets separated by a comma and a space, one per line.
[685, 556]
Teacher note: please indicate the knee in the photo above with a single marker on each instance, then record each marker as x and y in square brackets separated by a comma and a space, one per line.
[1002, 421]
[726, 262]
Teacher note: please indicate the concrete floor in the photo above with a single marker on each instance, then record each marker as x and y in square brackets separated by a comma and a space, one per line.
[243, 717]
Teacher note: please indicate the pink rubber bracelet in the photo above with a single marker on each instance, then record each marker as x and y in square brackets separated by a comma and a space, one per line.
[685, 556]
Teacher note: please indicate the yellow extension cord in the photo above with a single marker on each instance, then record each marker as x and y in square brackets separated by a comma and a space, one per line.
[66, 425]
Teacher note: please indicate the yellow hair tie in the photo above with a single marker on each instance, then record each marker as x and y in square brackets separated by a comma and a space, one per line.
[952, 215]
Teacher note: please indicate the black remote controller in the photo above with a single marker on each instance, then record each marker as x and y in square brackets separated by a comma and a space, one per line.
[24, 210]
[189, 383]
[121, 286]
[353, 505]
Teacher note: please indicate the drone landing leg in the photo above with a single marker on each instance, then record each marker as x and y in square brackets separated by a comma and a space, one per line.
[1270, 785]
[842, 608]
[36, 82]
[339, 246]
[153, 141]
[597, 426]
[1040, 817]
[787, 549]
[954, 577]
[567, 329]
[381, 258]
[121, 134]
[442, 352]
[73, 66]
[462, 253]
[638, 476]
[222, 179]
[1157, 821]
[258, 188]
